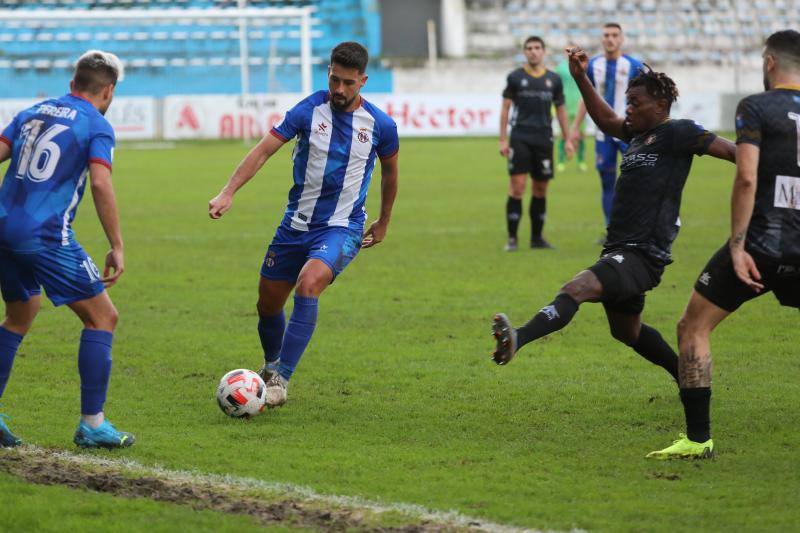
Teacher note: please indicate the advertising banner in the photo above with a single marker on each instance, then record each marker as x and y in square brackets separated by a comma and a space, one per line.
[131, 117]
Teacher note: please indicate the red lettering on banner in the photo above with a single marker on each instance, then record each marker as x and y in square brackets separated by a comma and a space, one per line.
[188, 118]
[467, 118]
[239, 126]
[434, 117]
[226, 127]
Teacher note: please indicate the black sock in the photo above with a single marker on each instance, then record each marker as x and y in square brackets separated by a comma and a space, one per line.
[697, 407]
[549, 319]
[652, 346]
[537, 210]
[513, 214]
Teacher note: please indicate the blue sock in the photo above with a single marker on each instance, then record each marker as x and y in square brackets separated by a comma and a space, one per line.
[9, 342]
[608, 178]
[298, 334]
[271, 330]
[94, 365]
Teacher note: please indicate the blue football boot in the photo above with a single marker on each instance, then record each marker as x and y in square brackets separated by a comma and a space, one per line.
[104, 436]
[7, 439]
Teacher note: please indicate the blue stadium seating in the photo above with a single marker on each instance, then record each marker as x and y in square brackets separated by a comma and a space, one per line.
[201, 57]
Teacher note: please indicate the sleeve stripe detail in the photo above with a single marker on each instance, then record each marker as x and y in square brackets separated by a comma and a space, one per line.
[100, 162]
[6, 140]
[275, 133]
[382, 157]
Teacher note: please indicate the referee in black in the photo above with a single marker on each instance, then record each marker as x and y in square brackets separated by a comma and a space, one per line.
[533, 90]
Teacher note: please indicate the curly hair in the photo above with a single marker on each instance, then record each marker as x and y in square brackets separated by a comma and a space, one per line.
[657, 84]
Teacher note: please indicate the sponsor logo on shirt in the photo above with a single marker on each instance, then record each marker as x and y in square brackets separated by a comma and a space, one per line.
[638, 160]
[787, 192]
[322, 129]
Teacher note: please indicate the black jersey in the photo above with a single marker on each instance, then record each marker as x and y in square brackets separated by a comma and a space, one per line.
[771, 121]
[533, 98]
[647, 196]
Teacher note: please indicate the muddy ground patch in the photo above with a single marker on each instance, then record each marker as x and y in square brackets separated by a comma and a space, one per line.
[46, 468]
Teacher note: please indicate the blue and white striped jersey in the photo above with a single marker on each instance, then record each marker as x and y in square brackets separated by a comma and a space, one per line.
[333, 161]
[52, 144]
[611, 78]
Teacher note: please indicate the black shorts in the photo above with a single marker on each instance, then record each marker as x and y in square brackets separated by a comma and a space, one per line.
[527, 155]
[719, 284]
[625, 276]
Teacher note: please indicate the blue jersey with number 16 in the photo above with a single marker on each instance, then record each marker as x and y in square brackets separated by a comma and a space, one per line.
[52, 144]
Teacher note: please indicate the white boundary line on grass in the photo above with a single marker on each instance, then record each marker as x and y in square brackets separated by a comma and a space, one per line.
[413, 511]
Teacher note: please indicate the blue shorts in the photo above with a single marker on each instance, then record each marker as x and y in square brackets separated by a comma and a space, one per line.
[291, 249]
[66, 273]
[605, 153]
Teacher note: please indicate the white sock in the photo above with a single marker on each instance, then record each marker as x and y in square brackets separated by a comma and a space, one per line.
[94, 421]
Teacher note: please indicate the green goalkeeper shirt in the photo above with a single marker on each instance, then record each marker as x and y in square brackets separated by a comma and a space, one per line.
[572, 95]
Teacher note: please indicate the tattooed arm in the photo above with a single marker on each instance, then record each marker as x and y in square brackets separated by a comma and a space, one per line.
[742, 201]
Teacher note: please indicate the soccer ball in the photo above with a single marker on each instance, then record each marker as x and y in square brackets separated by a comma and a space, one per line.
[241, 393]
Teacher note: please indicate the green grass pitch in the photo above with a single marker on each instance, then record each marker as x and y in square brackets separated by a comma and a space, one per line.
[396, 399]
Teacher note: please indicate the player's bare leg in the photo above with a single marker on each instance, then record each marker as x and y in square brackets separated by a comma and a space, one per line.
[538, 210]
[314, 278]
[694, 341]
[584, 287]
[516, 190]
[694, 370]
[97, 312]
[19, 318]
[645, 340]
[20, 315]
[272, 296]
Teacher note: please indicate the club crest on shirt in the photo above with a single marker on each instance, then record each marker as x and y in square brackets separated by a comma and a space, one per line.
[270, 260]
[322, 129]
[650, 140]
[548, 84]
[524, 82]
[363, 136]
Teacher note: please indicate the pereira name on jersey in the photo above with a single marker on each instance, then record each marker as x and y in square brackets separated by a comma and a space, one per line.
[771, 121]
[333, 161]
[52, 144]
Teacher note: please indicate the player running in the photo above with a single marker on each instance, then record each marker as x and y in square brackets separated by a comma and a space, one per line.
[339, 135]
[533, 90]
[52, 146]
[644, 219]
[763, 253]
[610, 72]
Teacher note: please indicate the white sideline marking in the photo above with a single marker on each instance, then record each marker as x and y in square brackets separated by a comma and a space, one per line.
[414, 511]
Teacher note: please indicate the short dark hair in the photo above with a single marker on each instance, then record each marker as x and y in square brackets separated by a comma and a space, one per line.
[785, 47]
[612, 25]
[657, 84]
[96, 70]
[350, 54]
[534, 39]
